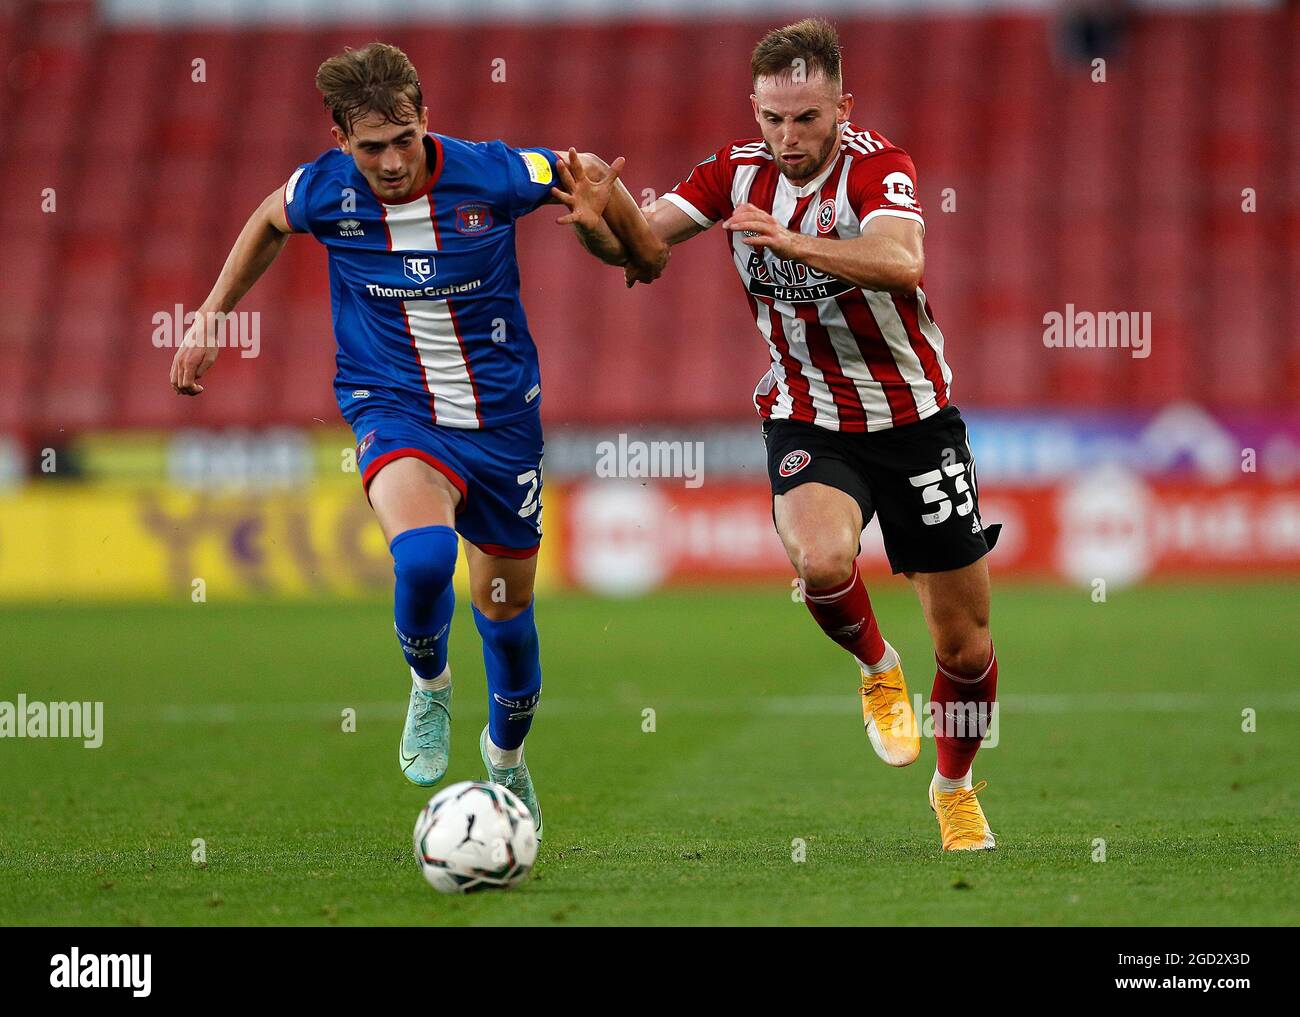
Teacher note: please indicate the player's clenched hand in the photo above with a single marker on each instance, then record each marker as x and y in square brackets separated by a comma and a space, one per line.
[636, 272]
[584, 196]
[196, 353]
[761, 230]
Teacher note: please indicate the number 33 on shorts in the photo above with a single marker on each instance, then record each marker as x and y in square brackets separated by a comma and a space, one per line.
[932, 493]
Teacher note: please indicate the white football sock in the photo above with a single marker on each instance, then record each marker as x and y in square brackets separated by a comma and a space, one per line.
[504, 759]
[889, 660]
[942, 783]
[443, 681]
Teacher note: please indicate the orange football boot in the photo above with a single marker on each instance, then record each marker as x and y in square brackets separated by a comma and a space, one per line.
[962, 826]
[887, 715]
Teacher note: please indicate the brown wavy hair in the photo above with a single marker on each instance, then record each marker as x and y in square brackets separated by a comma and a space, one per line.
[377, 78]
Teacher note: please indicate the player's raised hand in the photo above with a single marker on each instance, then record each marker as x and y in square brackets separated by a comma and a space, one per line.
[583, 195]
[196, 353]
[761, 230]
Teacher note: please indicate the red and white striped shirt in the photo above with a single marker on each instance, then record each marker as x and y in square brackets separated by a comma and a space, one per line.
[843, 357]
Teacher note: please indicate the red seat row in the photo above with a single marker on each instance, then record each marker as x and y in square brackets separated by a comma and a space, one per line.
[1173, 186]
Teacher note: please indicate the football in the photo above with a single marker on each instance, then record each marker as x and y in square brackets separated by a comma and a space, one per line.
[475, 836]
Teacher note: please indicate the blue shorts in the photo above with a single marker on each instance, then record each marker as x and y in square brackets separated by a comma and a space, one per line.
[498, 472]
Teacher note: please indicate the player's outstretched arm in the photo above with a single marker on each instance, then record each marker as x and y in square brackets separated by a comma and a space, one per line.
[606, 217]
[589, 185]
[668, 225]
[888, 256]
[259, 242]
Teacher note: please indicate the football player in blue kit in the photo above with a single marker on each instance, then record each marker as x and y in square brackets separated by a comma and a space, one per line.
[437, 373]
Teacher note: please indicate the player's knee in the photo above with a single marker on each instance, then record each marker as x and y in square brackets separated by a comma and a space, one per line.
[424, 558]
[506, 609]
[967, 652]
[821, 567]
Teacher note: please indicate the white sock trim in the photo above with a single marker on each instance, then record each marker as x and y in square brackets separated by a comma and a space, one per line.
[889, 661]
[967, 680]
[443, 681]
[942, 783]
[503, 759]
[831, 594]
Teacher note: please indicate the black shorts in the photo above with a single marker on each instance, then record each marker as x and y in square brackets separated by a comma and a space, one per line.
[919, 477]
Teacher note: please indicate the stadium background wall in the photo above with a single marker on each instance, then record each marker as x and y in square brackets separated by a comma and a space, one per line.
[1170, 185]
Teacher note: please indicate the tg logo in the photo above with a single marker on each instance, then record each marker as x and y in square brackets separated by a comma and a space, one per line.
[418, 267]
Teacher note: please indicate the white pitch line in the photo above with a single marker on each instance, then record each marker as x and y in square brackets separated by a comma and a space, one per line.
[315, 711]
[1056, 703]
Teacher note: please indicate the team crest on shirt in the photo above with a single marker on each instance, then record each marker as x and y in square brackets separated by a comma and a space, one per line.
[365, 443]
[826, 216]
[419, 267]
[794, 462]
[473, 217]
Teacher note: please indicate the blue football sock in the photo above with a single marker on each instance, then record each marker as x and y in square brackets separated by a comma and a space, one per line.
[511, 656]
[423, 599]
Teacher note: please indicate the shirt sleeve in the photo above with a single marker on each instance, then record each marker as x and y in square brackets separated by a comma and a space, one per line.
[705, 195]
[531, 173]
[296, 206]
[885, 184]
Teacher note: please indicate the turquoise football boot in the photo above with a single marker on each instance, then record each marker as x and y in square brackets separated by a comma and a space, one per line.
[426, 738]
[514, 778]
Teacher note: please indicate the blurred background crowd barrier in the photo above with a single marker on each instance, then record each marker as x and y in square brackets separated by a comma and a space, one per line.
[1073, 159]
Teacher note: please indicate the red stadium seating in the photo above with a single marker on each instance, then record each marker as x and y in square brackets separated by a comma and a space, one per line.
[1042, 187]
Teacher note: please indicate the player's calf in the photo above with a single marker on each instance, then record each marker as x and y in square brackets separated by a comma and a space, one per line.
[511, 656]
[819, 526]
[424, 560]
[512, 659]
[845, 615]
[961, 705]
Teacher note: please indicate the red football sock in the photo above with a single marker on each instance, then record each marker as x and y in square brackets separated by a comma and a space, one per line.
[961, 706]
[844, 613]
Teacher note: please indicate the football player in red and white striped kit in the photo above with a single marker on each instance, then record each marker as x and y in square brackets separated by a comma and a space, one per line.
[824, 227]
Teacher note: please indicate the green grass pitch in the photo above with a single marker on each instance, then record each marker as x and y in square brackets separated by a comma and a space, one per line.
[1121, 721]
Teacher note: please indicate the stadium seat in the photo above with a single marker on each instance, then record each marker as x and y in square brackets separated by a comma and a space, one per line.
[1041, 188]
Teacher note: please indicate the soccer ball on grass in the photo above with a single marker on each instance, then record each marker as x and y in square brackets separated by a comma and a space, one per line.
[475, 836]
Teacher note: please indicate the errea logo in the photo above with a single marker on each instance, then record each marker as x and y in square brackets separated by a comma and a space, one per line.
[418, 267]
[351, 228]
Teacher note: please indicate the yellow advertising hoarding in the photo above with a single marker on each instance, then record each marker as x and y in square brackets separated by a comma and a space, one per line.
[98, 540]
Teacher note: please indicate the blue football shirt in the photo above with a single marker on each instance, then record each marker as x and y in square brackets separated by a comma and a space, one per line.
[425, 292]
